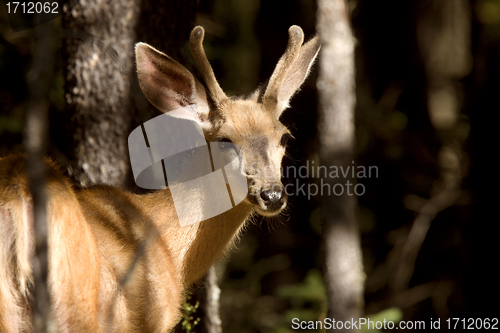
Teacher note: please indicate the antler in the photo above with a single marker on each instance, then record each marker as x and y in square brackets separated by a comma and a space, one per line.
[196, 46]
[295, 40]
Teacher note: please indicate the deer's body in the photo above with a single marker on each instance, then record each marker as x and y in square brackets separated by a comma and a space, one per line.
[120, 261]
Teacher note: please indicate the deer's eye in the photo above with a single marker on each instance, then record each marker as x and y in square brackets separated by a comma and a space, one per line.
[285, 138]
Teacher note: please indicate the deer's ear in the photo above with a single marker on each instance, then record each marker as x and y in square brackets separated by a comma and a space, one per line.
[167, 84]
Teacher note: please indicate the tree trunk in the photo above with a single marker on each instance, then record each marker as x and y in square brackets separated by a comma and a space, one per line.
[343, 258]
[100, 78]
[99, 50]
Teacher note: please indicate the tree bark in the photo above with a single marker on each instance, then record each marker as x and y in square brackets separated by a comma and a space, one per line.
[336, 88]
[99, 50]
[101, 85]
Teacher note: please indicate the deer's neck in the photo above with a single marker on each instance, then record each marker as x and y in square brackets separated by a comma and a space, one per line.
[195, 247]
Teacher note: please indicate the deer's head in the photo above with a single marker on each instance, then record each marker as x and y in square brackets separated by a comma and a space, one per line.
[252, 123]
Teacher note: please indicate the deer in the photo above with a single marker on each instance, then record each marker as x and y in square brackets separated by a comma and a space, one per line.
[96, 280]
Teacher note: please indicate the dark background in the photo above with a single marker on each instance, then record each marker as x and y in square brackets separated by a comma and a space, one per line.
[274, 275]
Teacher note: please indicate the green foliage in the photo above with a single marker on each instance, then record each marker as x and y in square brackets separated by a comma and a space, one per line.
[308, 298]
[391, 314]
[188, 321]
[10, 124]
[308, 301]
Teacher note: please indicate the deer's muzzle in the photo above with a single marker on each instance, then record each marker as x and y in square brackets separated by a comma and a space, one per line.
[273, 196]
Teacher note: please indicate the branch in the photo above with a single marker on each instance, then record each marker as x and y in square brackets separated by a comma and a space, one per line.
[447, 191]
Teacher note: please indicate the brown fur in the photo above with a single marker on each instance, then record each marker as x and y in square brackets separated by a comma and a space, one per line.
[120, 261]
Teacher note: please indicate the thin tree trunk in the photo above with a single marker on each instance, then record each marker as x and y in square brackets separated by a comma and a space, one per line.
[213, 323]
[40, 78]
[343, 258]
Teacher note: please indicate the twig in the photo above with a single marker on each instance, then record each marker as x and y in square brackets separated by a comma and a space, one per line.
[447, 191]
[438, 291]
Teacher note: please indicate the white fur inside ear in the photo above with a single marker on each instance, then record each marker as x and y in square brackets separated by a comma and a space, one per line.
[192, 113]
[187, 112]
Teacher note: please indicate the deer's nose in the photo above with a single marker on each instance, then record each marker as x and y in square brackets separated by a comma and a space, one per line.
[274, 196]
